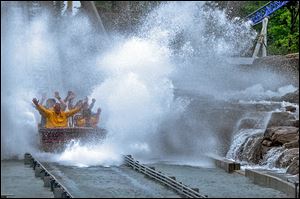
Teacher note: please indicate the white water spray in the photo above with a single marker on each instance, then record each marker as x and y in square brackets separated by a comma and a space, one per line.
[133, 79]
[136, 95]
[35, 60]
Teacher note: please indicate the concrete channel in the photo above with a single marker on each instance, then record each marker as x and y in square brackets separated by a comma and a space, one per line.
[87, 182]
[262, 177]
[215, 183]
[136, 180]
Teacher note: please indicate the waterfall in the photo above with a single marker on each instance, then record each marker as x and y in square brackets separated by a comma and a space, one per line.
[246, 146]
[249, 132]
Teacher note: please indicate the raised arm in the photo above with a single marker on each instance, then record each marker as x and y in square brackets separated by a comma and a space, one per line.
[62, 103]
[98, 113]
[96, 118]
[92, 104]
[35, 102]
[69, 96]
[79, 103]
[40, 108]
[70, 104]
[71, 100]
[73, 111]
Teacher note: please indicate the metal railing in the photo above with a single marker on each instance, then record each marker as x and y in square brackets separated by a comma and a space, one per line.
[58, 189]
[162, 178]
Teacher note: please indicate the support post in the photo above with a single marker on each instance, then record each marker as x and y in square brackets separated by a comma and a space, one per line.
[262, 40]
[264, 32]
[91, 10]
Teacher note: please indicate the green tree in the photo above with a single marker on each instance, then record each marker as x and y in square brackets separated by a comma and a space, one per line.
[283, 27]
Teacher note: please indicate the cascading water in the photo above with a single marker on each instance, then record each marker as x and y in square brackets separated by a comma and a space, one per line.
[180, 45]
[248, 136]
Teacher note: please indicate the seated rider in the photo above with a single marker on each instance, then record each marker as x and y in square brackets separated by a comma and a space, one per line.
[55, 117]
[49, 105]
[87, 119]
[95, 118]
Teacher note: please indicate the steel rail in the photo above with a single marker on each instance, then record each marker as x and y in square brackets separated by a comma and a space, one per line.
[162, 178]
[56, 186]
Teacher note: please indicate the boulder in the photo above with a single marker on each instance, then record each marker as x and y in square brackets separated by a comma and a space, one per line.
[281, 134]
[291, 97]
[293, 168]
[270, 155]
[281, 119]
[296, 123]
[266, 107]
[269, 132]
[287, 157]
[286, 66]
[265, 149]
[266, 143]
[252, 149]
[247, 123]
[292, 144]
[290, 108]
[285, 134]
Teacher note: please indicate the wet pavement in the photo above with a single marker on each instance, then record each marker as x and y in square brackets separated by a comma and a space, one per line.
[19, 180]
[111, 182]
[216, 183]
[98, 181]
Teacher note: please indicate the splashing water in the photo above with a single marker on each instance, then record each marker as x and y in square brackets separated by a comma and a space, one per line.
[34, 54]
[240, 140]
[179, 45]
[84, 156]
[137, 94]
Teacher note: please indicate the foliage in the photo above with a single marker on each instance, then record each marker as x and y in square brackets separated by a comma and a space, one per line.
[283, 35]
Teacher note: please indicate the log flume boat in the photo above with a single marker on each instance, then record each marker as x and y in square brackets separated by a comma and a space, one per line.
[57, 139]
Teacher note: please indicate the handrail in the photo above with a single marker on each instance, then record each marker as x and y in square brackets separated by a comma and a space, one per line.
[54, 182]
[162, 178]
